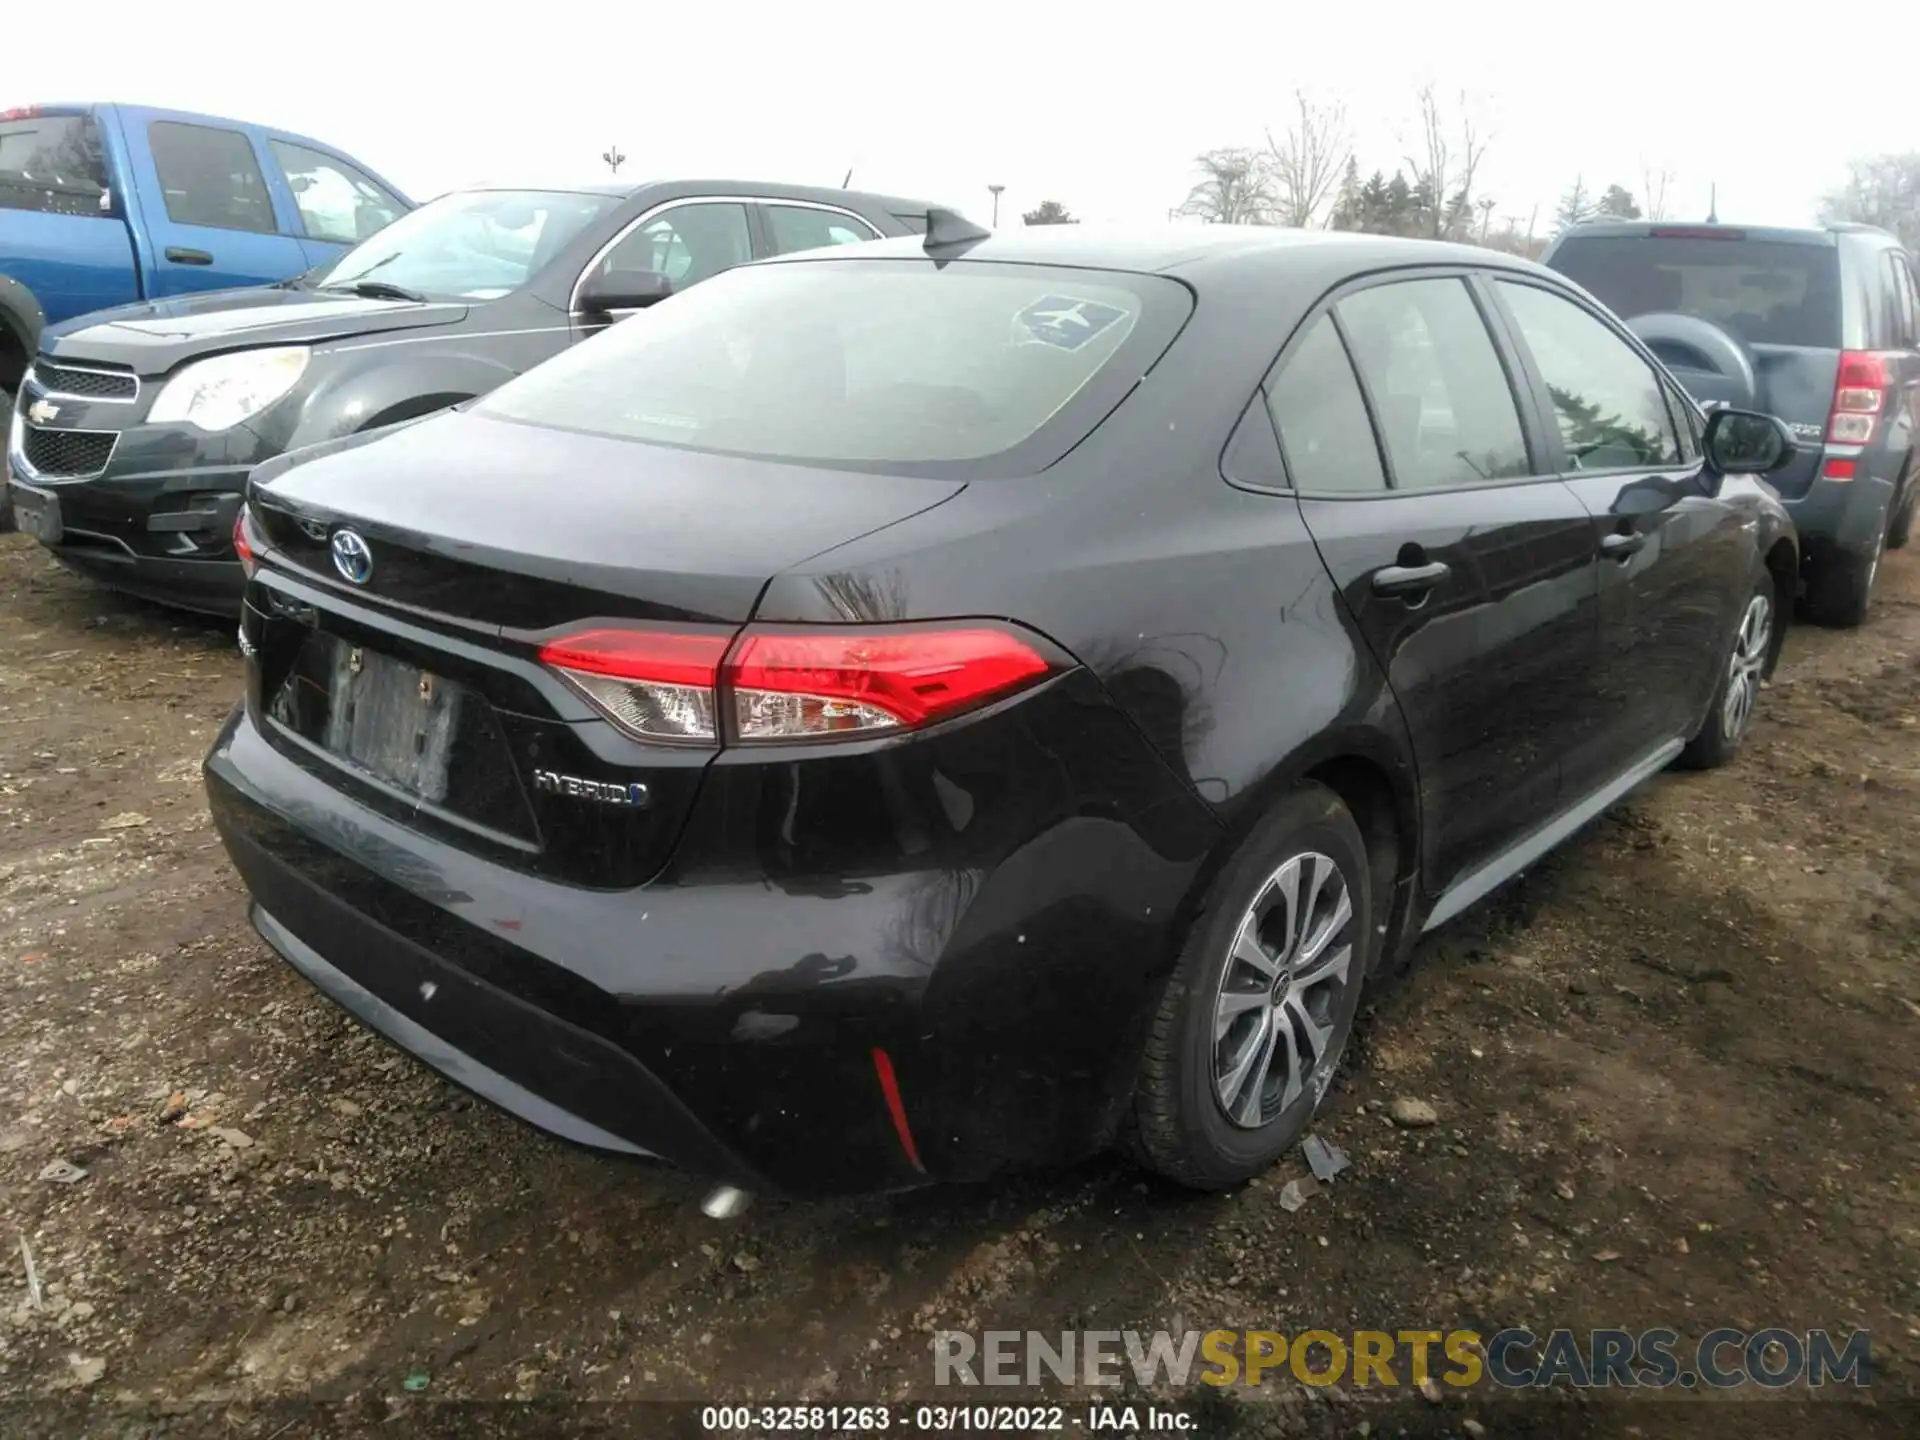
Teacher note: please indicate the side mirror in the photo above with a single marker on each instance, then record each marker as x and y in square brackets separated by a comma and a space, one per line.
[1745, 442]
[624, 290]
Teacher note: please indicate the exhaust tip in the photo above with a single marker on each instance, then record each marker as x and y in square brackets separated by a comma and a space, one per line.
[725, 1202]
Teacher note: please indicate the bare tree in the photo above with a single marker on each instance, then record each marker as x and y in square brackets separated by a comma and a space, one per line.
[1306, 162]
[1234, 188]
[1653, 190]
[1576, 207]
[1881, 190]
[1447, 162]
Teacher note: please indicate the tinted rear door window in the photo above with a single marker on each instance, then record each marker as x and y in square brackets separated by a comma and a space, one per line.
[1322, 419]
[53, 164]
[1765, 292]
[798, 227]
[210, 177]
[1905, 268]
[1439, 392]
[1900, 292]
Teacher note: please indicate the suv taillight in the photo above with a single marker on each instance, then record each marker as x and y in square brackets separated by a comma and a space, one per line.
[1860, 392]
[775, 686]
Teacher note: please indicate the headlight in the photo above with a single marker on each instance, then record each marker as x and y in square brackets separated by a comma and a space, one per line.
[218, 394]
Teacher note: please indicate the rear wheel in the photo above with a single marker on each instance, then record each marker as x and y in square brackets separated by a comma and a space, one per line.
[1841, 585]
[1737, 697]
[1257, 1013]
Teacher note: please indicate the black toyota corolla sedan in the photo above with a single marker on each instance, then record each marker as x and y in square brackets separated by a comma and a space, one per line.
[952, 705]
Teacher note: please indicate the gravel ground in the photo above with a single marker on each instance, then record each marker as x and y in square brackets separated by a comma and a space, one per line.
[1672, 1071]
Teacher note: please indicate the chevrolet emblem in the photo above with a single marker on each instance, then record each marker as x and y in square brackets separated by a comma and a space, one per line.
[40, 412]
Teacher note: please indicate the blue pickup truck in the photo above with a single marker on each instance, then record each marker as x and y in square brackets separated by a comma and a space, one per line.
[106, 204]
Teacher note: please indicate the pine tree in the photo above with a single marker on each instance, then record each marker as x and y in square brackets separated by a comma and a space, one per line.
[1420, 216]
[1618, 202]
[1375, 205]
[1347, 200]
[1399, 217]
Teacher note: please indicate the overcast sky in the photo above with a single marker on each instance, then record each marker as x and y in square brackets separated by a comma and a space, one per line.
[1099, 106]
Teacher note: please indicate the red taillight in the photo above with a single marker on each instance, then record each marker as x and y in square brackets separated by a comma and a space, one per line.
[791, 685]
[243, 543]
[1860, 390]
[657, 685]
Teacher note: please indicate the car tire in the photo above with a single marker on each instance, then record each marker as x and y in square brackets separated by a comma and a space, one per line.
[1737, 697]
[1272, 967]
[1902, 528]
[1841, 586]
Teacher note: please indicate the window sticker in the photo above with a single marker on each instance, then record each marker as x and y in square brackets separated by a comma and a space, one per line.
[1065, 322]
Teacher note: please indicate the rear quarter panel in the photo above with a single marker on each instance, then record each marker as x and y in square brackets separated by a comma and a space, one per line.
[1204, 610]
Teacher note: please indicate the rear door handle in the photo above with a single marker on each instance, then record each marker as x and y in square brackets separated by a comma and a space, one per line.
[1409, 579]
[1619, 545]
[181, 256]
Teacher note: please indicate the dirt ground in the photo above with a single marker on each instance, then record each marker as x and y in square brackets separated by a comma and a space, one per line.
[1674, 1070]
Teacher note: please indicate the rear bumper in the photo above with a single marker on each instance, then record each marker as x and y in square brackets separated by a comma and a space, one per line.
[393, 1023]
[728, 1024]
[1840, 515]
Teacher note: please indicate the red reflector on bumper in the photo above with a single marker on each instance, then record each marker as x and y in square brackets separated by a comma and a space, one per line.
[890, 1090]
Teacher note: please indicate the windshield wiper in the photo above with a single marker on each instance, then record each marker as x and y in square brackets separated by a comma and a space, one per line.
[378, 290]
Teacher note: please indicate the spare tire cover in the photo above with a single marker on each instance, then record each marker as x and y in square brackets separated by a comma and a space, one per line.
[1703, 357]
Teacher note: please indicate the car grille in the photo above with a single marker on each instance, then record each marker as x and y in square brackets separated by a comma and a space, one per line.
[67, 454]
[88, 384]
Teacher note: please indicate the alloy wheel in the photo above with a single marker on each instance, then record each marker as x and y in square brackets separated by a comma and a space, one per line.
[1291, 962]
[1749, 660]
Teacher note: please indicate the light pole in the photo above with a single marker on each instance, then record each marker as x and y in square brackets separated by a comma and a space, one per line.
[614, 158]
[996, 189]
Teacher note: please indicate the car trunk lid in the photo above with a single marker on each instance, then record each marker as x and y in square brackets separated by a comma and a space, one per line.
[419, 687]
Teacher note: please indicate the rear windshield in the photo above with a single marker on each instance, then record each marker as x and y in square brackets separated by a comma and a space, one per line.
[1765, 292]
[890, 364]
[51, 163]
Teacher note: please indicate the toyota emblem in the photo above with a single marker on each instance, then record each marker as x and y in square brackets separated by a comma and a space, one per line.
[351, 557]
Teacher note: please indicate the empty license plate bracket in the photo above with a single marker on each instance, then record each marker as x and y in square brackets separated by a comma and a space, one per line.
[393, 720]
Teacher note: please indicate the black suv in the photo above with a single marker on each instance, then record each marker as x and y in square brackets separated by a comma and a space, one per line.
[1820, 327]
[137, 426]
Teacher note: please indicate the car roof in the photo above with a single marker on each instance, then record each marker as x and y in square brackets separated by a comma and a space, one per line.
[1680, 230]
[181, 117]
[1201, 253]
[759, 189]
